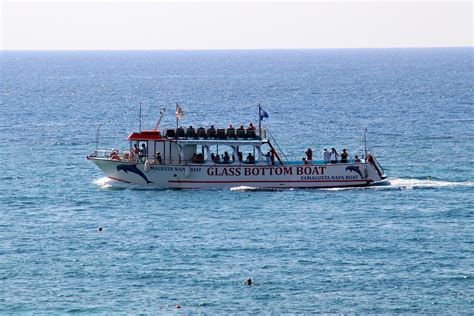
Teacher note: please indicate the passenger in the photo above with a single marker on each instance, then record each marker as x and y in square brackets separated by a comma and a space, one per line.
[309, 154]
[218, 159]
[211, 132]
[326, 155]
[200, 158]
[135, 149]
[213, 157]
[194, 158]
[226, 158]
[357, 160]
[251, 127]
[158, 158]
[114, 156]
[344, 155]
[250, 159]
[143, 152]
[191, 132]
[240, 156]
[334, 155]
[241, 132]
[305, 161]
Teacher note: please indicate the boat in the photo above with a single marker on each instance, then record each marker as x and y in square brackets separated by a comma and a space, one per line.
[223, 158]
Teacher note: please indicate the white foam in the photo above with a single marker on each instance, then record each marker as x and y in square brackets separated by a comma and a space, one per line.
[426, 183]
[243, 188]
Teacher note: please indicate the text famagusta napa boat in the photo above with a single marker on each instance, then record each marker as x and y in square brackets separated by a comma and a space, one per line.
[215, 158]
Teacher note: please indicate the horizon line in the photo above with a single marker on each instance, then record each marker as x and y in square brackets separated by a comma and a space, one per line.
[224, 49]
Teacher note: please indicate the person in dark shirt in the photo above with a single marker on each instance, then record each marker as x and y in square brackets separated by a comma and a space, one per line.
[344, 156]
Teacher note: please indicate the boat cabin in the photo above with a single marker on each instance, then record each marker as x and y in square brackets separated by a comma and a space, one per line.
[202, 146]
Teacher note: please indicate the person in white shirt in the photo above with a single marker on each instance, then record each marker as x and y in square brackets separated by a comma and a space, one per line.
[334, 155]
[326, 155]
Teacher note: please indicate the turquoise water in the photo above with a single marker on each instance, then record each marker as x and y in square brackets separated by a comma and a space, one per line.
[403, 247]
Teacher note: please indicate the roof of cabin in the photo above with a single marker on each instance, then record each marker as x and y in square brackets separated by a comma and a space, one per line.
[145, 135]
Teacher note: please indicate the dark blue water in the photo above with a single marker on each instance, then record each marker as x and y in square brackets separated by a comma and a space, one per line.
[404, 247]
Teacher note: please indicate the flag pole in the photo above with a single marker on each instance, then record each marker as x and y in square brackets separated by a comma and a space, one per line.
[176, 112]
[259, 122]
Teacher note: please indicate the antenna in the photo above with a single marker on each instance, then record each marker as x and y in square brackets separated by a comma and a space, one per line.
[365, 141]
[162, 113]
[140, 117]
[97, 137]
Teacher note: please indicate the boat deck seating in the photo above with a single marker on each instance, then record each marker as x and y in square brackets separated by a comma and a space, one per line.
[212, 133]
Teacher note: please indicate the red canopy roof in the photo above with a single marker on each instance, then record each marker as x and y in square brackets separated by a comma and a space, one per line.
[145, 135]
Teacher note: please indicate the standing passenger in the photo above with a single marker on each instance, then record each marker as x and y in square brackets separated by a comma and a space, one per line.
[344, 155]
[309, 154]
[334, 155]
[326, 155]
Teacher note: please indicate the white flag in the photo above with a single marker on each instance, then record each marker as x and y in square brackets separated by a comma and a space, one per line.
[179, 112]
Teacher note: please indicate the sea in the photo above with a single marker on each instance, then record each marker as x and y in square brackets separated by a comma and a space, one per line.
[405, 246]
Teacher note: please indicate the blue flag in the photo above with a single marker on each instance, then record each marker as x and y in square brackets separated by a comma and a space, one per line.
[263, 113]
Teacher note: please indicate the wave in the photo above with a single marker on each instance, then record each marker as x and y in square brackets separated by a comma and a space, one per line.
[427, 182]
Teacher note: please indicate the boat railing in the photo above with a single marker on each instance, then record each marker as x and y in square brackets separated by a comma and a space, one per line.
[217, 133]
[322, 162]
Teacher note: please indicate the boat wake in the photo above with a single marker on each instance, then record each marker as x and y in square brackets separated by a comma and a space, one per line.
[388, 184]
[423, 183]
[243, 188]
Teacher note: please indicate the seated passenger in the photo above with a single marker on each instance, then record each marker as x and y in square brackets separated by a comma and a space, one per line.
[211, 132]
[250, 159]
[180, 132]
[241, 132]
[191, 133]
[213, 157]
[201, 133]
[200, 158]
[305, 161]
[231, 132]
[158, 158]
[357, 160]
[251, 126]
[114, 156]
[226, 158]
[194, 158]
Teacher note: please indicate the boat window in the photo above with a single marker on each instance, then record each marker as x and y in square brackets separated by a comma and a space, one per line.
[247, 154]
[222, 154]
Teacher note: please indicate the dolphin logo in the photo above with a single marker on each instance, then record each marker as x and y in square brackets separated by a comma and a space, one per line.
[355, 169]
[133, 169]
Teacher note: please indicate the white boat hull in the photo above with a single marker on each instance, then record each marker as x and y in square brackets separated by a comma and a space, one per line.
[219, 176]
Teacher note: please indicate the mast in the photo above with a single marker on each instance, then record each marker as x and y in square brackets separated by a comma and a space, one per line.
[162, 113]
